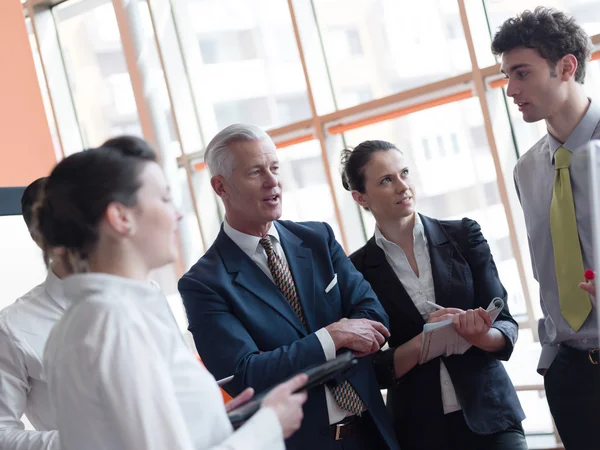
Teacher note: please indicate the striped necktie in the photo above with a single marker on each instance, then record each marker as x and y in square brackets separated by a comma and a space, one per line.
[345, 395]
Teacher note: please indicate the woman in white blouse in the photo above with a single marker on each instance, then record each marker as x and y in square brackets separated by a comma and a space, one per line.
[120, 375]
[413, 263]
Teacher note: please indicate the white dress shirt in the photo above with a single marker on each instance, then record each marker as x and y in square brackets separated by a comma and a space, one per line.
[24, 329]
[420, 289]
[251, 246]
[121, 377]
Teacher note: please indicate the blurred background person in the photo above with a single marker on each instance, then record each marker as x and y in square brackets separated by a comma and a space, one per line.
[24, 329]
[119, 373]
[457, 402]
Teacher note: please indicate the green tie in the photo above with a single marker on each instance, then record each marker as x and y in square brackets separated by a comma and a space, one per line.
[575, 304]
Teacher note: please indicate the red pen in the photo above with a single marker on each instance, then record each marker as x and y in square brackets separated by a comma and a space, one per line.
[589, 275]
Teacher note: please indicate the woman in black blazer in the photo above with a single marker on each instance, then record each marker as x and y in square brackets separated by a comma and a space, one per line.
[456, 402]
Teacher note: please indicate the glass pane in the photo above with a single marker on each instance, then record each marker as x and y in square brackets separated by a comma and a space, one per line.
[44, 89]
[508, 132]
[157, 94]
[206, 202]
[98, 75]
[586, 12]
[592, 80]
[379, 47]
[303, 179]
[454, 176]
[246, 65]
[21, 263]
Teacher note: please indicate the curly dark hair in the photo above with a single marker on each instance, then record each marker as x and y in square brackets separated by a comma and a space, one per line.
[552, 33]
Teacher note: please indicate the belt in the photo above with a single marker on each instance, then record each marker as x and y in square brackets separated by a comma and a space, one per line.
[592, 355]
[348, 427]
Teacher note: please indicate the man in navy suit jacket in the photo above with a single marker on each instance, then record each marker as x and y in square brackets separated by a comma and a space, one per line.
[247, 322]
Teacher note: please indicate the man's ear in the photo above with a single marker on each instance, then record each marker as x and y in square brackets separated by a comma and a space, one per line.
[361, 199]
[218, 184]
[567, 67]
[120, 219]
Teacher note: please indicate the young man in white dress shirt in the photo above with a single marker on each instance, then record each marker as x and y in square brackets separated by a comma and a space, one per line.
[24, 328]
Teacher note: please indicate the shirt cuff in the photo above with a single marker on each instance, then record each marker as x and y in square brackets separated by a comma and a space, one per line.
[327, 343]
[548, 354]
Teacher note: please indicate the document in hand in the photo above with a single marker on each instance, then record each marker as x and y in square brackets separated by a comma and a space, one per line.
[441, 338]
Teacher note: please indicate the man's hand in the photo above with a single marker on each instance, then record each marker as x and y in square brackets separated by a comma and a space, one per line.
[244, 396]
[473, 325]
[362, 336]
[589, 285]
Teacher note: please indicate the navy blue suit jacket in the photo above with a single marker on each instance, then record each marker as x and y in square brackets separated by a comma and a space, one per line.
[464, 276]
[242, 324]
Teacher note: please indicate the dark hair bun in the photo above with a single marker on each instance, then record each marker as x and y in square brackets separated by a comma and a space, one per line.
[60, 222]
[79, 190]
[344, 158]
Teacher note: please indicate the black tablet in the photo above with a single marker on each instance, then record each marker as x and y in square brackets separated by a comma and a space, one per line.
[317, 375]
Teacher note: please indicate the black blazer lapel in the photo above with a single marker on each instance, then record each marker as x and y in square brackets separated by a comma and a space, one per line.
[379, 273]
[249, 276]
[299, 259]
[441, 254]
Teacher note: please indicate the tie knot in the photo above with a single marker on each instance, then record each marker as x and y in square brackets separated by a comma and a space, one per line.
[266, 243]
[562, 158]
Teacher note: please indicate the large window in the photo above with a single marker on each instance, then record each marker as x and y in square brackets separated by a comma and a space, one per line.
[376, 48]
[249, 68]
[318, 75]
[97, 71]
[586, 12]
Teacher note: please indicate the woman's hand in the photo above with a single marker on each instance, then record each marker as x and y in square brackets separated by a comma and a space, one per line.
[443, 314]
[287, 405]
[473, 325]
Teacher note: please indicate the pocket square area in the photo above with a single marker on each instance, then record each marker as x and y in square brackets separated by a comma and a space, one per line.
[331, 285]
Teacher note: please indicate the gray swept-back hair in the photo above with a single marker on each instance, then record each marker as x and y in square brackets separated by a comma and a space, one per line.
[217, 156]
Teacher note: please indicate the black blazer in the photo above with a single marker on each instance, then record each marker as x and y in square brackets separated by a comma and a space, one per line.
[465, 277]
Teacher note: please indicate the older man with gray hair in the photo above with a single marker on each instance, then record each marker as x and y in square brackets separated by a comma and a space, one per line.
[272, 297]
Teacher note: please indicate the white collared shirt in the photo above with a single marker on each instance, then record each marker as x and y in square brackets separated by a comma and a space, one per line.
[24, 329]
[121, 377]
[420, 289]
[251, 246]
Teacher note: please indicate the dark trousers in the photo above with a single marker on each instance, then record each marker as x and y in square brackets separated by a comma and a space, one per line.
[367, 438]
[460, 437]
[573, 391]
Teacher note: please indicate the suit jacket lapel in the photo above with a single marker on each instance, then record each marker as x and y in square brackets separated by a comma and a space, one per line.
[249, 276]
[441, 253]
[299, 260]
[380, 273]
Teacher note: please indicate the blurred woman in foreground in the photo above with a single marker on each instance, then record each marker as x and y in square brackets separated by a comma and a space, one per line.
[120, 375]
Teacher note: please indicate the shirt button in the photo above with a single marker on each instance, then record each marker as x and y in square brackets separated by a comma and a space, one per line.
[421, 292]
[445, 383]
[585, 341]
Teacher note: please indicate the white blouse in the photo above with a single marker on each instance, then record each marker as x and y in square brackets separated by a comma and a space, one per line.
[121, 377]
[420, 289]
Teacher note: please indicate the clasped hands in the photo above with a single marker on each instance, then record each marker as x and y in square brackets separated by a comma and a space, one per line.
[362, 336]
[473, 325]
